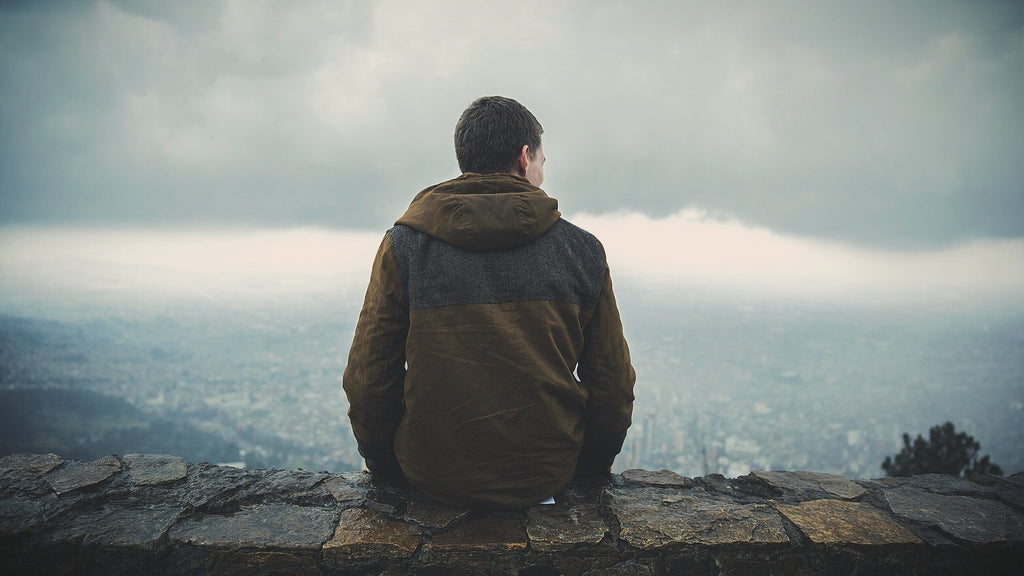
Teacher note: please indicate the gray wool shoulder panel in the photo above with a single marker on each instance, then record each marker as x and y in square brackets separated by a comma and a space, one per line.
[567, 264]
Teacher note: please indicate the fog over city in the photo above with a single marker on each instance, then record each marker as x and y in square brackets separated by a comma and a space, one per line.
[753, 350]
[687, 249]
[813, 212]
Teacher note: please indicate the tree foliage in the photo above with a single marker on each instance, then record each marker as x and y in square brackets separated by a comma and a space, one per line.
[945, 452]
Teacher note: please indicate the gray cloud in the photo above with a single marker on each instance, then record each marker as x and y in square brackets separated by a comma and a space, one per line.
[867, 122]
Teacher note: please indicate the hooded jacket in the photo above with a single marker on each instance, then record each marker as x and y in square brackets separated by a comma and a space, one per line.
[488, 362]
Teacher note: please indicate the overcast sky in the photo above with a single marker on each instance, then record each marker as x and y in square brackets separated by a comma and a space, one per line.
[879, 124]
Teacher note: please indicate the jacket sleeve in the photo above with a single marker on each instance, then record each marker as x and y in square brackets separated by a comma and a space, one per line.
[375, 374]
[606, 372]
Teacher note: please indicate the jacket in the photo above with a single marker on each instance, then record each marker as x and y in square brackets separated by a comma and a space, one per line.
[483, 308]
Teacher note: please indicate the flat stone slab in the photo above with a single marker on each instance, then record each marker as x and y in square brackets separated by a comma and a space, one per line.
[19, 515]
[268, 525]
[77, 475]
[945, 484]
[216, 486]
[491, 533]
[653, 518]
[973, 520]
[434, 516]
[155, 469]
[273, 486]
[341, 490]
[114, 526]
[664, 478]
[282, 482]
[1011, 490]
[365, 533]
[840, 522]
[28, 465]
[808, 485]
[561, 526]
[24, 474]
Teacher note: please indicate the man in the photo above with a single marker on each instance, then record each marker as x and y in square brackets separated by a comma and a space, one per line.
[483, 307]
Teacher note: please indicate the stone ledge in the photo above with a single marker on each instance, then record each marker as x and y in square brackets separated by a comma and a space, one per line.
[154, 513]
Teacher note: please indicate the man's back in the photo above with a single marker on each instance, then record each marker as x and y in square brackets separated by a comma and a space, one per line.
[483, 308]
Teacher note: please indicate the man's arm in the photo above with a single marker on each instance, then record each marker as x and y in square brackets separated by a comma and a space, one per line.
[375, 374]
[606, 372]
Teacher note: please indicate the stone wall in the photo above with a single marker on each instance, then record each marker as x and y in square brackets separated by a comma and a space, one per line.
[153, 514]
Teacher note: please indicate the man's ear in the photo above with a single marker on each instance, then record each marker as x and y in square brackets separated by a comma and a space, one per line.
[523, 161]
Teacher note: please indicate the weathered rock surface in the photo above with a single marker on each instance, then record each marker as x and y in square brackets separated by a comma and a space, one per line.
[154, 469]
[656, 518]
[837, 522]
[78, 475]
[434, 516]
[488, 532]
[147, 513]
[263, 526]
[366, 533]
[22, 466]
[962, 518]
[804, 485]
[663, 478]
[115, 526]
[563, 526]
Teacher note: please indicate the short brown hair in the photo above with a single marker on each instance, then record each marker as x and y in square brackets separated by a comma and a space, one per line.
[491, 133]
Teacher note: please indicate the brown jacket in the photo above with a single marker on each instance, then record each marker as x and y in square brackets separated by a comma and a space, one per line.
[483, 308]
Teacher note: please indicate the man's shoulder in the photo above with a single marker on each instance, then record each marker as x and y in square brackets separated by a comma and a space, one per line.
[400, 230]
[574, 229]
[577, 234]
[401, 235]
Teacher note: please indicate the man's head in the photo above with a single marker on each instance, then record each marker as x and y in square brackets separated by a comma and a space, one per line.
[497, 134]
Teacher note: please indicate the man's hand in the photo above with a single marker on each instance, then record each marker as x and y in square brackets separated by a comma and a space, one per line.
[382, 464]
[598, 454]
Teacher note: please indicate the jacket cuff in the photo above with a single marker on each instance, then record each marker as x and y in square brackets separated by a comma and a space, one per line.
[381, 461]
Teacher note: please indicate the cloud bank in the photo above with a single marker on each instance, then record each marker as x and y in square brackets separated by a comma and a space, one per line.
[894, 125]
[692, 249]
[688, 251]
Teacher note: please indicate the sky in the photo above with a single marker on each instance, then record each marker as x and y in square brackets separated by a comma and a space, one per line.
[830, 144]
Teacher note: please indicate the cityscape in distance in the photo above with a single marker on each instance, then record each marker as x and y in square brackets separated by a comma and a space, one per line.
[724, 384]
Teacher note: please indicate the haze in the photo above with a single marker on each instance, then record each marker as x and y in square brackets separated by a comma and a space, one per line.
[688, 250]
[813, 211]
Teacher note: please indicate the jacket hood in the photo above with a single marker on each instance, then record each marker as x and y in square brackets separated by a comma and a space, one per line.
[483, 212]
